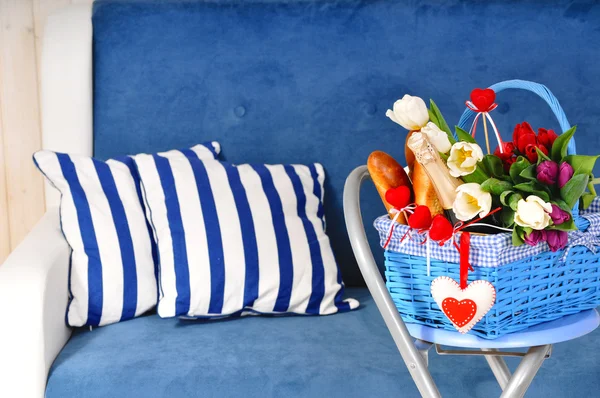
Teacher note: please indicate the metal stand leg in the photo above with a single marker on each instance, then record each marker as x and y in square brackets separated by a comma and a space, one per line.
[499, 368]
[526, 371]
[414, 360]
[424, 347]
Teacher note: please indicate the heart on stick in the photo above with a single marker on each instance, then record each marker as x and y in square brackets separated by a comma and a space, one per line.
[483, 99]
[398, 197]
[421, 218]
[441, 229]
[464, 308]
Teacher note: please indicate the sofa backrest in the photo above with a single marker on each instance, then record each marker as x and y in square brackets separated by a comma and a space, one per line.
[310, 81]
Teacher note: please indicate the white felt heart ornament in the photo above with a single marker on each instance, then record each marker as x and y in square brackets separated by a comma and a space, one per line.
[464, 308]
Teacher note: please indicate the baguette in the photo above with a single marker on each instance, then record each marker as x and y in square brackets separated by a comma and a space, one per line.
[423, 189]
[387, 173]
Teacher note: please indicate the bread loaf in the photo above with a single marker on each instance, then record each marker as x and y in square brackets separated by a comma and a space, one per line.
[387, 173]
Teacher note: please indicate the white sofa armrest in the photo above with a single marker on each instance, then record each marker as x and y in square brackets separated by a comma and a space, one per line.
[33, 300]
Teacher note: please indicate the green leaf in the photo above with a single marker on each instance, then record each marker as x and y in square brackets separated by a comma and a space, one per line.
[464, 136]
[481, 165]
[566, 226]
[534, 189]
[590, 186]
[517, 167]
[587, 199]
[436, 117]
[559, 148]
[562, 204]
[582, 164]
[572, 190]
[507, 216]
[479, 176]
[444, 156]
[494, 166]
[541, 156]
[529, 173]
[496, 187]
[517, 240]
[513, 200]
[504, 196]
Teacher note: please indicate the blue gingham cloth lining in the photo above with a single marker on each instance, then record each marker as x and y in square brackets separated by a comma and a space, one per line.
[486, 251]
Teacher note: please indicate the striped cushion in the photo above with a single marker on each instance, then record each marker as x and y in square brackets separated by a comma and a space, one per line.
[112, 274]
[234, 239]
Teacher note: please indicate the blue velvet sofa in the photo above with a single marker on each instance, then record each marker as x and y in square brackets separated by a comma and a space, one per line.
[278, 81]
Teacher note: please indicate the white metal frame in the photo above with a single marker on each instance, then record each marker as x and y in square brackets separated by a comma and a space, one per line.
[415, 353]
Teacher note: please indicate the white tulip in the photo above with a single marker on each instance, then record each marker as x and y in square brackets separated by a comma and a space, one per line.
[471, 200]
[533, 213]
[463, 158]
[409, 112]
[438, 138]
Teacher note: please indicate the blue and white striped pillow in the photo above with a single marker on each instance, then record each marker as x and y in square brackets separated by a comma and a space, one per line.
[112, 274]
[242, 238]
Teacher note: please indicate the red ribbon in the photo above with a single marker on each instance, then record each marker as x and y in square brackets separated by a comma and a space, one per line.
[389, 238]
[465, 245]
[404, 210]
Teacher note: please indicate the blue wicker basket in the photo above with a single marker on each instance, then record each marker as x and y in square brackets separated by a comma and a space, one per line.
[533, 285]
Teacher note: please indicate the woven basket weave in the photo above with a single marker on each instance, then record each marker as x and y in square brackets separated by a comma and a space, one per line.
[538, 288]
[529, 292]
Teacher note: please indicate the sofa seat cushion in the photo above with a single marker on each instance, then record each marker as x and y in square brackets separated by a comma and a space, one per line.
[343, 355]
[347, 354]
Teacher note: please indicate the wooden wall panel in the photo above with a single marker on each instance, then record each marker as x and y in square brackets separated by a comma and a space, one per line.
[4, 228]
[21, 185]
[20, 117]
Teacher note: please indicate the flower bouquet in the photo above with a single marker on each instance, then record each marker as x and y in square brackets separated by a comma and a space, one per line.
[501, 223]
[531, 181]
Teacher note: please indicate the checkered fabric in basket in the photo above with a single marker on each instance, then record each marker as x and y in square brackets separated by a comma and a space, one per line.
[533, 285]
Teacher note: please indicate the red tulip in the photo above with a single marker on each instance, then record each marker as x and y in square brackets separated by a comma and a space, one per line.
[509, 150]
[546, 138]
[508, 162]
[531, 153]
[523, 135]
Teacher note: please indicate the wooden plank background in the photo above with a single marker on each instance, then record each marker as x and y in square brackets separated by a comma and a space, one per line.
[21, 185]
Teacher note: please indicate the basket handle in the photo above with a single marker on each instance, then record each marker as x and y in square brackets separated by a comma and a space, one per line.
[467, 117]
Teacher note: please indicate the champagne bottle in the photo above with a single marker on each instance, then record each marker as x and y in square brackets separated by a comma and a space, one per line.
[445, 185]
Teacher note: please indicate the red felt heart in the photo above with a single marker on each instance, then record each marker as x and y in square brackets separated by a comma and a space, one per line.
[441, 229]
[421, 218]
[483, 98]
[398, 197]
[459, 312]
